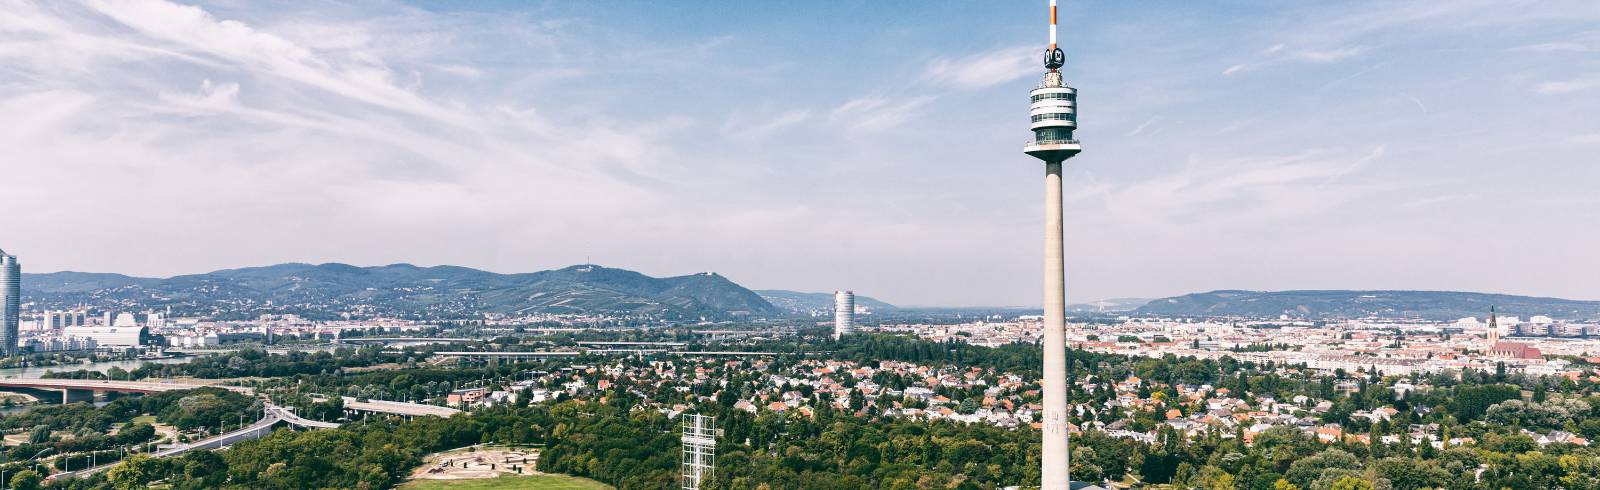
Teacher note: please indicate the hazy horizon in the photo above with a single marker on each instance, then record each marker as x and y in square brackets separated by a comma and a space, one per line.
[872, 147]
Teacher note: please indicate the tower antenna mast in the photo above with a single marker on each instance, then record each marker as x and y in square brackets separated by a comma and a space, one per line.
[1052, 25]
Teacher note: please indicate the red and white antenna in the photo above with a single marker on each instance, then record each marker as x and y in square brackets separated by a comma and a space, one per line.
[1053, 57]
[1052, 25]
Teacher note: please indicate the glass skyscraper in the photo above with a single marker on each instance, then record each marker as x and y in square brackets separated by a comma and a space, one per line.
[10, 300]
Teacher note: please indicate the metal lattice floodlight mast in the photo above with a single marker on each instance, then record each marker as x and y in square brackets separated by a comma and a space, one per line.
[699, 450]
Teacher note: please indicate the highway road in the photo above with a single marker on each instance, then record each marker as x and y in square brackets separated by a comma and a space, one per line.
[399, 408]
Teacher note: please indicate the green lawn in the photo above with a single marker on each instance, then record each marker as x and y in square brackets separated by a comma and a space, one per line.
[509, 482]
[148, 419]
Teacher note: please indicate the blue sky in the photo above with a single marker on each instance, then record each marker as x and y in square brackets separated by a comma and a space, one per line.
[872, 146]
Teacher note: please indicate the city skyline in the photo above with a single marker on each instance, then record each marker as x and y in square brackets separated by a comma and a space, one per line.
[1243, 147]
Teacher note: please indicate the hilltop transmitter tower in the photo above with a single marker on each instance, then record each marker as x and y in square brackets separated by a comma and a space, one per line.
[1055, 116]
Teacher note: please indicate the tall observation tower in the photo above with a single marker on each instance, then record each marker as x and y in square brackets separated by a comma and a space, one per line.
[1055, 116]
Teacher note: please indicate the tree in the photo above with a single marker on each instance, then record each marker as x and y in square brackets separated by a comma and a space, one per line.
[39, 435]
[132, 473]
[26, 480]
[1351, 483]
[1411, 474]
[1224, 482]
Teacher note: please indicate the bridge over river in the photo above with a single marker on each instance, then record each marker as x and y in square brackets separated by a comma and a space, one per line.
[75, 390]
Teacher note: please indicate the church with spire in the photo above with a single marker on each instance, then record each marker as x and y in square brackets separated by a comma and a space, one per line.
[1507, 349]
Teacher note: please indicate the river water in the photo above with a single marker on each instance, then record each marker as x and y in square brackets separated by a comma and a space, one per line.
[102, 366]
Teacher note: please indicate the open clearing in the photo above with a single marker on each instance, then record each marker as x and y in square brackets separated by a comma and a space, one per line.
[490, 468]
[509, 482]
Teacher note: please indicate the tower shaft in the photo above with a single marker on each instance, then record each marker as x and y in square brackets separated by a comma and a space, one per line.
[1054, 463]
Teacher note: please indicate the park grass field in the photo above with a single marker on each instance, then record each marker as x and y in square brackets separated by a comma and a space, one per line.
[509, 482]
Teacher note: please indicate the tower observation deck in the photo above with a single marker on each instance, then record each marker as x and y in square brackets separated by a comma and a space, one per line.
[1054, 113]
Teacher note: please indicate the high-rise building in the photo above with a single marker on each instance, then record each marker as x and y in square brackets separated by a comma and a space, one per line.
[51, 320]
[844, 313]
[10, 301]
[1054, 117]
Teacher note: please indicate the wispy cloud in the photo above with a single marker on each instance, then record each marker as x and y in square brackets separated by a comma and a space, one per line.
[1146, 124]
[1557, 47]
[757, 126]
[193, 30]
[1414, 100]
[1243, 190]
[1583, 84]
[874, 113]
[984, 70]
[1233, 69]
[1331, 55]
[179, 114]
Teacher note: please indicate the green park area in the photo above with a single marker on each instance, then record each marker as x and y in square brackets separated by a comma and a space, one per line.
[509, 482]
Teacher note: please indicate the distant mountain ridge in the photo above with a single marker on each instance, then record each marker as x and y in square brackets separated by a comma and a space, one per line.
[405, 290]
[1110, 305]
[814, 303]
[1333, 304]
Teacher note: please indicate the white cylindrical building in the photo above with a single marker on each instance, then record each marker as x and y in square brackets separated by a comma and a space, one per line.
[844, 313]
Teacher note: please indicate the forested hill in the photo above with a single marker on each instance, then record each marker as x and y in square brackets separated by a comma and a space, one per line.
[404, 290]
[1429, 305]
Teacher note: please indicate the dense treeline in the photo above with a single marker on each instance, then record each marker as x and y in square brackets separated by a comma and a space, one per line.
[258, 363]
[835, 450]
[1023, 359]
